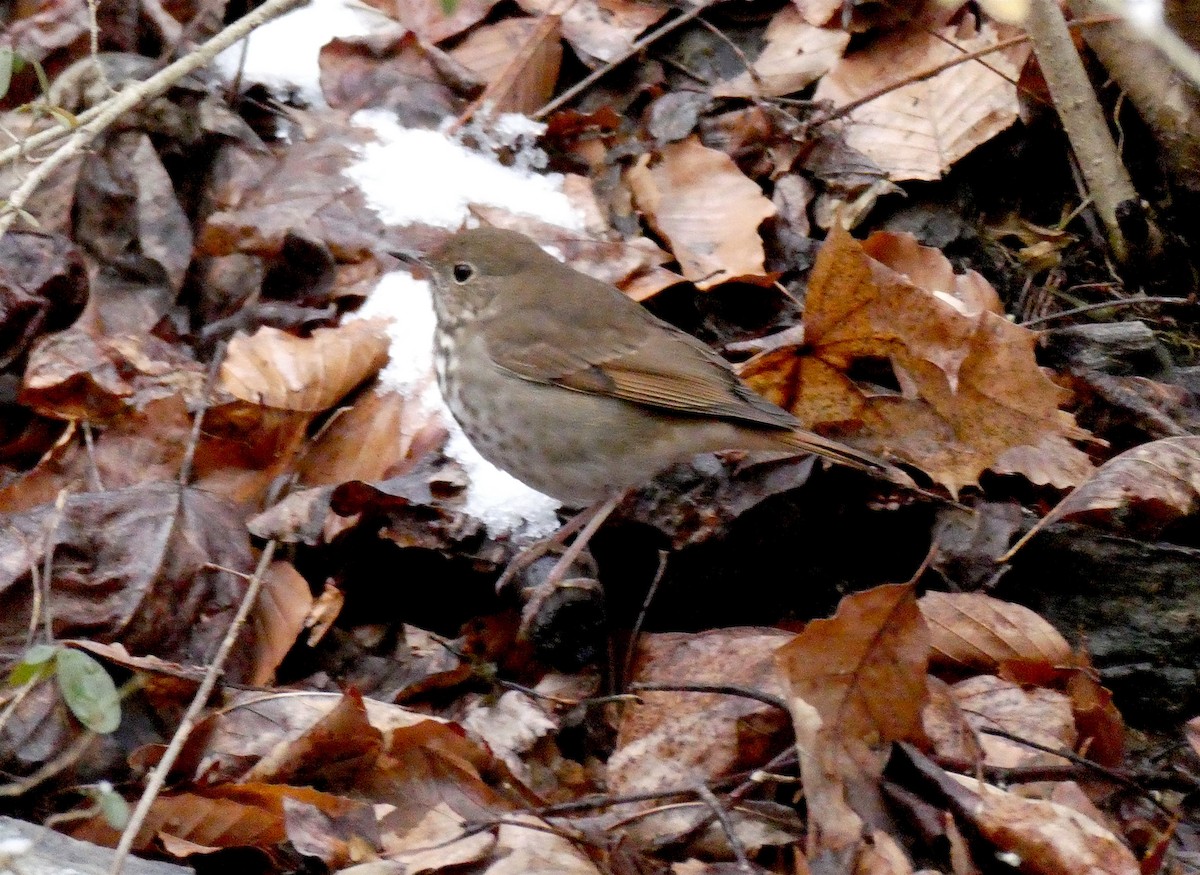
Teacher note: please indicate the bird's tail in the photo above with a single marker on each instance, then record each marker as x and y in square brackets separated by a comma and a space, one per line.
[810, 442]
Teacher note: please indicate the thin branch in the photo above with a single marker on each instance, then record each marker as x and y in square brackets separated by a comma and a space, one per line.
[117, 105]
[158, 777]
[652, 37]
[1109, 305]
[719, 689]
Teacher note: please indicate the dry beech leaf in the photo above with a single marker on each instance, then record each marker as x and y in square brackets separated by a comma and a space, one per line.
[1142, 491]
[669, 738]
[946, 726]
[278, 618]
[920, 129]
[795, 56]
[528, 845]
[856, 682]
[1038, 715]
[75, 374]
[159, 569]
[360, 443]
[439, 841]
[707, 208]
[274, 369]
[1048, 838]
[599, 30]
[970, 392]
[518, 58]
[863, 670]
[818, 11]
[230, 816]
[976, 631]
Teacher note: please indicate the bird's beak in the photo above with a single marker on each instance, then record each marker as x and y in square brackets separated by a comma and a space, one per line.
[417, 262]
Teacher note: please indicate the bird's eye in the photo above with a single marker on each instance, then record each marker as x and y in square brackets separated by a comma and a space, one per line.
[463, 272]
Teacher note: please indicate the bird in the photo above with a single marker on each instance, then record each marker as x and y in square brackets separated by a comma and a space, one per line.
[580, 392]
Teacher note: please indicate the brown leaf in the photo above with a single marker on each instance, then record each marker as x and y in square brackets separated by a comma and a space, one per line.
[706, 207]
[1142, 491]
[428, 18]
[260, 201]
[969, 393]
[600, 30]
[795, 56]
[330, 752]
[391, 69]
[856, 682]
[947, 727]
[863, 670]
[43, 287]
[1048, 838]
[76, 374]
[141, 446]
[146, 566]
[519, 58]
[679, 738]
[278, 619]
[1037, 715]
[232, 816]
[973, 630]
[137, 237]
[309, 374]
[362, 442]
[440, 840]
[918, 130]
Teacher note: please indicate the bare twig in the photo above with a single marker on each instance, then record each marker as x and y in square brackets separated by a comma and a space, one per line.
[718, 810]
[719, 689]
[129, 97]
[587, 81]
[158, 777]
[636, 633]
[1110, 305]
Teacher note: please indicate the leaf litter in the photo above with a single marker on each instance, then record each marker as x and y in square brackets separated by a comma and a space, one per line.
[379, 707]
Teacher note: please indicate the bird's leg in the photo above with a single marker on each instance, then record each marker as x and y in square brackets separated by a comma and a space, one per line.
[540, 548]
[587, 523]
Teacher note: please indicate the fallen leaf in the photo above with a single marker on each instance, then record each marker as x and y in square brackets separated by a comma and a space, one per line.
[519, 58]
[599, 30]
[274, 369]
[856, 683]
[1037, 715]
[707, 208]
[969, 391]
[795, 56]
[672, 739]
[1047, 838]
[976, 631]
[1142, 491]
[918, 130]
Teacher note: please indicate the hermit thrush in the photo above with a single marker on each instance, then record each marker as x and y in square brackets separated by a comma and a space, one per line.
[578, 391]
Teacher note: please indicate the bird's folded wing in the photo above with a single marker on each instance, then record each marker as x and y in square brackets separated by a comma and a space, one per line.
[642, 360]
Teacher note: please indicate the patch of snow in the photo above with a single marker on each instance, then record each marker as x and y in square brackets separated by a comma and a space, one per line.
[411, 175]
[282, 54]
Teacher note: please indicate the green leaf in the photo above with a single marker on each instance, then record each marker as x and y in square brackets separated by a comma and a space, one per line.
[34, 664]
[8, 64]
[449, 7]
[114, 808]
[88, 690]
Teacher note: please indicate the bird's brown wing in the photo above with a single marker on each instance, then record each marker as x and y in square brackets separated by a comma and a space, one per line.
[621, 350]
